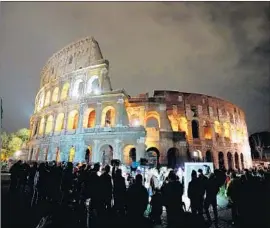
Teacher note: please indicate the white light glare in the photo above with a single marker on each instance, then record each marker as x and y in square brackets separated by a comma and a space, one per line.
[17, 153]
[136, 123]
[195, 154]
[97, 91]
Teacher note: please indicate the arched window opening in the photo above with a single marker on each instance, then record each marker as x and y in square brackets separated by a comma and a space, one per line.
[93, 85]
[208, 156]
[221, 160]
[108, 117]
[183, 125]
[230, 161]
[242, 161]
[55, 95]
[236, 160]
[195, 129]
[129, 154]
[217, 129]
[171, 157]
[41, 126]
[72, 152]
[152, 122]
[152, 155]
[45, 154]
[207, 130]
[49, 125]
[48, 98]
[91, 119]
[107, 154]
[59, 125]
[88, 154]
[73, 120]
[226, 127]
[64, 93]
[78, 88]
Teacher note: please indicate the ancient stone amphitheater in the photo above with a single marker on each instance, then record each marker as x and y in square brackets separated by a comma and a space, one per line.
[78, 117]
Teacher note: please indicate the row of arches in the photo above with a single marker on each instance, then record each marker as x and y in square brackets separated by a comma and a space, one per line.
[78, 88]
[231, 165]
[46, 125]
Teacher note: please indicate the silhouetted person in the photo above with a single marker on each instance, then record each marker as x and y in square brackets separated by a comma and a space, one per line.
[173, 192]
[233, 191]
[212, 189]
[67, 181]
[14, 175]
[194, 194]
[137, 198]
[119, 191]
[32, 173]
[156, 207]
[93, 187]
[106, 188]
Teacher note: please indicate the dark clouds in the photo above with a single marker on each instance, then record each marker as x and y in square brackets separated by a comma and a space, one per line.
[220, 49]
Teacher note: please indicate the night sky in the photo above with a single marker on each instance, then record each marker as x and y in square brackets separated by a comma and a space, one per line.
[219, 49]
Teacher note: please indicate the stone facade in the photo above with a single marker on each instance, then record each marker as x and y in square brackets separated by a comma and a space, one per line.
[78, 116]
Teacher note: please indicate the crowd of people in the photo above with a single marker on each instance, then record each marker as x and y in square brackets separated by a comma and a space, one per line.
[137, 197]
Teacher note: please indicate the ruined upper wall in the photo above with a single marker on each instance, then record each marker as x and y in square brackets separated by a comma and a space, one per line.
[80, 54]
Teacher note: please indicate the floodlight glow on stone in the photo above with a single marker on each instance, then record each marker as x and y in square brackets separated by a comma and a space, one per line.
[96, 91]
[136, 123]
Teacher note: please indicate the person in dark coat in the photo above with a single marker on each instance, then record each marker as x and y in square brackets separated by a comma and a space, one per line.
[156, 207]
[119, 191]
[137, 198]
[14, 175]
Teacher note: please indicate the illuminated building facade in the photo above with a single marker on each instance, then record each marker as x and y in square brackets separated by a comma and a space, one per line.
[79, 117]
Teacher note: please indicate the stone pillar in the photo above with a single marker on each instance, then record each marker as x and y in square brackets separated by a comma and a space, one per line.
[140, 148]
[54, 123]
[98, 114]
[95, 151]
[80, 151]
[117, 153]
[65, 121]
[225, 160]
[81, 116]
[165, 124]
[64, 152]
[120, 113]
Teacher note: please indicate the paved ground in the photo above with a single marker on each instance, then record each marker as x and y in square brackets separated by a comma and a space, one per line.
[21, 215]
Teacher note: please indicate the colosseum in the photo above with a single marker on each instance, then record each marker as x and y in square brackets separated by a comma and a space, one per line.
[78, 117]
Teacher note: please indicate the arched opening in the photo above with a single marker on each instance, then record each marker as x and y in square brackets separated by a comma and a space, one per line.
[207, 130]
[227, 133]
[230, 161]
[48, 98]
[129, 154]
[72, 152]
[31, 154]
[41, 126]
[55, 94]
[106, 152]
[108, 117]
[217, 129]
[152, 120]
[59, 125]
[208, 156]
[195, 129]
[91, 119]
[35, 129]
[45, 151]
[77, 88]
[221, 160]
[236, 160]
[73, 118]
[197, 156]
[93, 85]
[242, 161]
[152, 155]
[64, 92]
[183, 125]
[171, 157]
[88, 154]
[49, 125]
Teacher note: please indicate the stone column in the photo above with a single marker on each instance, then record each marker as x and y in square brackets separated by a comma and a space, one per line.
[226, 161]
[98, 114]
[120, 113]
[64, 152]
[95, 151]
[81, 116]
[65, 121]
[140, 148]
[54, 123]
[165, 124]
[117, 153]
[79, 153]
